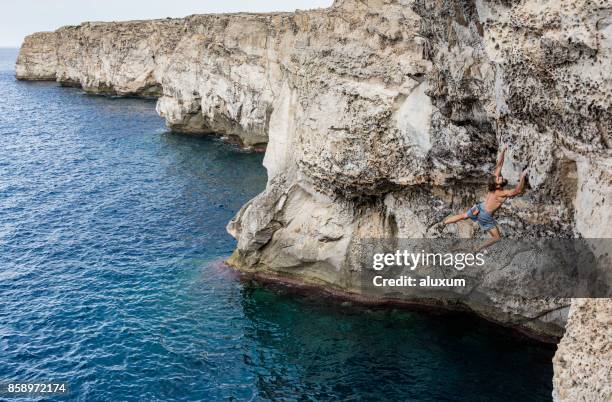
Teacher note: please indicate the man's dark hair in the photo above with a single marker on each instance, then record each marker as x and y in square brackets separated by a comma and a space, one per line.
[492, 183]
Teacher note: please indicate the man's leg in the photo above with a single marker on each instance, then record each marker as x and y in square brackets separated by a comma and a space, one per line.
[455, 218]
[496, 236]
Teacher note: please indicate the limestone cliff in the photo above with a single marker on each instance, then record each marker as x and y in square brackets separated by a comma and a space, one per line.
[583, 363]
[395, 122]
[380, 118]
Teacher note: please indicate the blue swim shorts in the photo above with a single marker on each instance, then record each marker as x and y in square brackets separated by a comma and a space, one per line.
[484, 219]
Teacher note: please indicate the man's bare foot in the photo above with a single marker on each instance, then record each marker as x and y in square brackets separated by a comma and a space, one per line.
[438, 226]
[480, 249]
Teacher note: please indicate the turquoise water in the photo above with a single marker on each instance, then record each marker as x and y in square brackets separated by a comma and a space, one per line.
[111, 233]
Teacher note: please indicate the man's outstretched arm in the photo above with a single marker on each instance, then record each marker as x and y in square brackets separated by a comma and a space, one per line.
[520, 187]
[500, 161]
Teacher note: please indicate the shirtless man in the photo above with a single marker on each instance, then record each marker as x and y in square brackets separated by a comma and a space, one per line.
[483, 212]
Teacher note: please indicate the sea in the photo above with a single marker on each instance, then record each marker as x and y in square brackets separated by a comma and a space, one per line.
[112, 242]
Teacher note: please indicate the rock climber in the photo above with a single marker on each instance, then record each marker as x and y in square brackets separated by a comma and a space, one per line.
[496, 196]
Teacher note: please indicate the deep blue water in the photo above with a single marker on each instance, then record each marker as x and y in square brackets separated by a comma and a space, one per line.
[111, 230]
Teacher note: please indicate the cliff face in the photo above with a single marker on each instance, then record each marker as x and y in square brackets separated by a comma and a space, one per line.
[380, 118]
[209, 72]
[583, 362]
[38, 57]
[398, 124]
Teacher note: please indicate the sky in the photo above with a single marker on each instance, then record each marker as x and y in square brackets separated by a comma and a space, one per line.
[22, 17]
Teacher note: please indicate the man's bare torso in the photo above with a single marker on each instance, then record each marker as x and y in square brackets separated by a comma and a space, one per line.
[494, 200]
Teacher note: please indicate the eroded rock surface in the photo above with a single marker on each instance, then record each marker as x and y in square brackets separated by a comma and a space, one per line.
[381, 145]
[583, 362]
[380, 118]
